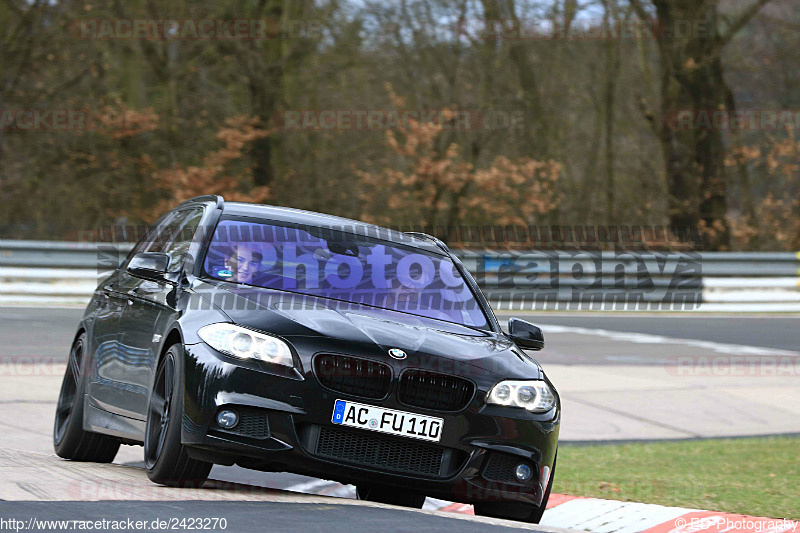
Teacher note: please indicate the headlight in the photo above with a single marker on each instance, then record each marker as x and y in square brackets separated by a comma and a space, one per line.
[535, 396]
[245, 343]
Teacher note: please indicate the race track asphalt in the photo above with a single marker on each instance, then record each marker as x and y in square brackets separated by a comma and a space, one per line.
[615, 374]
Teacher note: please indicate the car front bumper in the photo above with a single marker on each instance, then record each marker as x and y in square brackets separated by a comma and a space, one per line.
[478, 445]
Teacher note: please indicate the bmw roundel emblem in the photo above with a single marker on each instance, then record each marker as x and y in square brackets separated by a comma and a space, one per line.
[397, 353]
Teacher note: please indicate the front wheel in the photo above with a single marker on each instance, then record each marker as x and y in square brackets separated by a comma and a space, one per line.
[70, 440]
[521, 512]
[165, 458]
[390, 496]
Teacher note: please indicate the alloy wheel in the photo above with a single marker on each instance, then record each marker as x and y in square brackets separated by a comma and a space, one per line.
[69, 390]
[159, 411]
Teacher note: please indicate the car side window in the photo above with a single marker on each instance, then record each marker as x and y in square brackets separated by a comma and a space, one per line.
[155, 233]
[162, 235]
[185, 229]
[173, 234]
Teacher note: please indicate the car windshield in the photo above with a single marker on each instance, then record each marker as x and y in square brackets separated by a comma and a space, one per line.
[343, 266]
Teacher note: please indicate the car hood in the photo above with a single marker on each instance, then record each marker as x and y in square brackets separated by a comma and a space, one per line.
[336, 326]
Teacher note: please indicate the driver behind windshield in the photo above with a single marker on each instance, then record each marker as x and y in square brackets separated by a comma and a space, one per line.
[245, 262]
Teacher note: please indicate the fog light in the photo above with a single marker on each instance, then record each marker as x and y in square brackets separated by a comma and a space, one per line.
[228, 419]
[523, 472]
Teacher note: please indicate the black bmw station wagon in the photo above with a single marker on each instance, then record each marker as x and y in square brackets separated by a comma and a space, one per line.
[284, 340]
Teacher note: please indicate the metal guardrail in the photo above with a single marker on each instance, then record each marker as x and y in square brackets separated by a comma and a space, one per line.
[51, 254]
[60, 272]
[707, 264]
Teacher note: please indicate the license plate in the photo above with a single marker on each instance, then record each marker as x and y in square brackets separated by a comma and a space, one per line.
[359, 415]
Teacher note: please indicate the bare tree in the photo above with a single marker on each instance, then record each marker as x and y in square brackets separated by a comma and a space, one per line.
[692, 78]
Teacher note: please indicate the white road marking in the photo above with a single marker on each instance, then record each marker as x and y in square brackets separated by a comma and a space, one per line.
[434, 504]
[646, 338]
[319, 486]
[342, 491]
[607, 516]
[310, 486]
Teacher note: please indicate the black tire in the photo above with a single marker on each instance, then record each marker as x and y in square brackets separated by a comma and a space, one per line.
[521, 512]
[391, 496]
[165, 458]
[70, 440]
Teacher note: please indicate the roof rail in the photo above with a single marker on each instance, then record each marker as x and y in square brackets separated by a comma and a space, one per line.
[220, 201]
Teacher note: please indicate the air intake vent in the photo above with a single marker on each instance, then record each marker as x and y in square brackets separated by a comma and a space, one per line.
[380, 452]
[350, 375]
[434, 391]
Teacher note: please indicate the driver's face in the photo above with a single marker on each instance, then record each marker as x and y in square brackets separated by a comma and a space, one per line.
[248, 262]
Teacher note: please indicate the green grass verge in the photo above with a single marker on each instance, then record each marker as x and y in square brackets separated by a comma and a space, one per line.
[753, 476]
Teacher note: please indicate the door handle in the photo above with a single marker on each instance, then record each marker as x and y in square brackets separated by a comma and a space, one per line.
[145, 289]
[106, 292]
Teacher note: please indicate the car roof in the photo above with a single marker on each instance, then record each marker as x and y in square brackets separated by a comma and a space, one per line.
[312, 218]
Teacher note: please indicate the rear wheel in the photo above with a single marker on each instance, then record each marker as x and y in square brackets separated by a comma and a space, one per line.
[165, 458]
[391, 496]
[521, 512]
[70, 440]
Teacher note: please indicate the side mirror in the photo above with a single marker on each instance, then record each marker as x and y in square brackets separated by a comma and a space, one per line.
[149, 265]
[525, 334]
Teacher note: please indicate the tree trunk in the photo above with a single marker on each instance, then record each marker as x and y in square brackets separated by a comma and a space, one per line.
[264, 93]
[265, 63]
[610, 20]
[692, 79]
